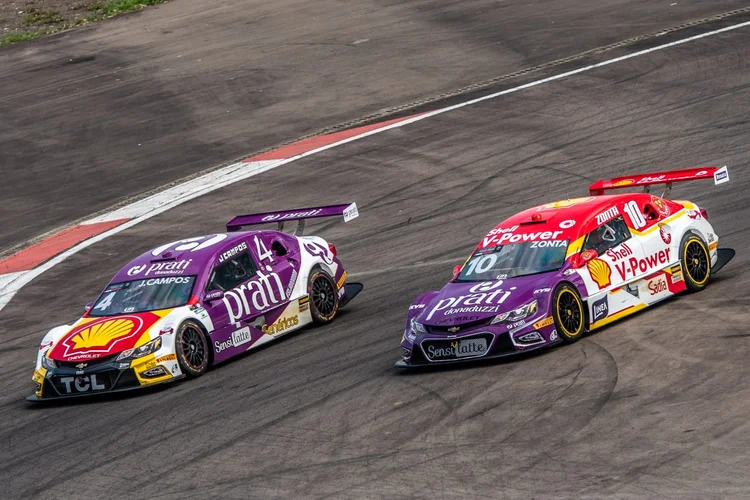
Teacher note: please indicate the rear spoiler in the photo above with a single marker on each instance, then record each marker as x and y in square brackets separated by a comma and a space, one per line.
[719, 175]
[349, 211]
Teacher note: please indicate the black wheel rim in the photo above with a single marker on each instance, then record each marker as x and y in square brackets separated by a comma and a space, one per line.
[323, 296]
[696, 262]
[569, 311]
[193, 348]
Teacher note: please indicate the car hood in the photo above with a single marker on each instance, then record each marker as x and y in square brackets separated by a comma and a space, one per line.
[458, 303]
[93, 338]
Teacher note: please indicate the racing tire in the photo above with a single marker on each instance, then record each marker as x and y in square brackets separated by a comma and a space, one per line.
[568, 313]
[192, 349]
[696, 262]
[324, 297]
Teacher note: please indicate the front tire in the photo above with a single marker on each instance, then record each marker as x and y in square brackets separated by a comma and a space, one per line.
[192, 349]
[696, 262]
[324, 299]
[568, 313]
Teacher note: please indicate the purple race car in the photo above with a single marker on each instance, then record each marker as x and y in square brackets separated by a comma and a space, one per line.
[186, 305]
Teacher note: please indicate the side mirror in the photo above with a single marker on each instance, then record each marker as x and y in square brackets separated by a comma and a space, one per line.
[88, 307]
[457, 271]
[213, 296]
[580, 259]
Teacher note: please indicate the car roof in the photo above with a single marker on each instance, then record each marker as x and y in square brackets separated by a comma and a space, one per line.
[189, 256]
[565, 219]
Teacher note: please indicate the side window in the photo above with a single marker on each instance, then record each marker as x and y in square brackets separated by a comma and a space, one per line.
[278, 248]
[608, 235]
[656, 209]
[232, 273]
[650, 212]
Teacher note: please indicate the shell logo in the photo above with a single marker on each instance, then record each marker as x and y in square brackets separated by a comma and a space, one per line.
[624, 182]
[102, 334]
[660, 205]
[600, 272]
[567, 203]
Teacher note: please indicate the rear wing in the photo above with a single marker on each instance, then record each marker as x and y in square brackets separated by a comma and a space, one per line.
[349, 211]
[719, 175]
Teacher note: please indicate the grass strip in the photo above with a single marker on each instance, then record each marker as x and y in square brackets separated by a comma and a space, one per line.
[97, 12]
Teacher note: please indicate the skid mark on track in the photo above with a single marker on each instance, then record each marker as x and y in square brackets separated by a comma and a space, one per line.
[416, 265]
[156, 204]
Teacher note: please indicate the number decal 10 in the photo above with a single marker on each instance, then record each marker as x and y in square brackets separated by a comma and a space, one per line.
[636, 217]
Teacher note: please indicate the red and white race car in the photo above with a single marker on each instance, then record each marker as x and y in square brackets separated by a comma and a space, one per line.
[550, 273]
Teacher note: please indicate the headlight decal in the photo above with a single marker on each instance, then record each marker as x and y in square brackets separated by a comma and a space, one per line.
[417, 327]
[139, 352]
[518, 313]
[47, 363]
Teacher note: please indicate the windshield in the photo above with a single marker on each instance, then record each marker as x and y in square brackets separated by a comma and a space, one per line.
[144, 295]
[516, 259]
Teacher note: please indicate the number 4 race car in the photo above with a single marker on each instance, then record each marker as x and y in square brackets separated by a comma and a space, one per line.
[550, 273]
[174, 311]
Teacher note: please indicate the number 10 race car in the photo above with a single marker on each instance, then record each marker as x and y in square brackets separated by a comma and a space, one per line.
[174, 311]
[550, 273]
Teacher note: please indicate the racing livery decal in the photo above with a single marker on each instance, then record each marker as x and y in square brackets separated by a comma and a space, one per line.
[600, 272]
[102, 336]
[254, 297]
[633, 266]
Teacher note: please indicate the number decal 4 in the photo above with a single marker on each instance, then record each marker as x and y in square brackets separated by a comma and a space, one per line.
[263, 252]
[106, 301]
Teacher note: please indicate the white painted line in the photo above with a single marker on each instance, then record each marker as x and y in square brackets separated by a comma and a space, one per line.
[570, 73]
[7, 281]
[176, 195]
[154, 205]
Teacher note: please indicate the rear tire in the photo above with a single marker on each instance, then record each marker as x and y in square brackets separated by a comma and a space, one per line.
[568, 313]
[191, 347]
[324, 297]
[696, 262]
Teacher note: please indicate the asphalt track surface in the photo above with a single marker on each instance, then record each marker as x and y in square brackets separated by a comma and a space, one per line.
[652, 407]
[93, 116]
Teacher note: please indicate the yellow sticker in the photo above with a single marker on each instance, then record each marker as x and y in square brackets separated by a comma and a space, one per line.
[280, 325]
[545, 322]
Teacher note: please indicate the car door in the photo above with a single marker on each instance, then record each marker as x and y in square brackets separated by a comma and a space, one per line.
[238, 295]
[249, 289]
[646, 216]
[649, 217]
[616, 251]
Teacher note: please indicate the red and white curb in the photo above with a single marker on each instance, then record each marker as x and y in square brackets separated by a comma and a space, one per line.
[22, 267]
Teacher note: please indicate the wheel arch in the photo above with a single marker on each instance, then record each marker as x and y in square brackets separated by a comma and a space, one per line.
[206, 334]
[584, 301]
[691, 284]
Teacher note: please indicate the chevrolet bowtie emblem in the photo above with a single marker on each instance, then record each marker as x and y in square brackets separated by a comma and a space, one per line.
[81, 366]
[454, 329]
